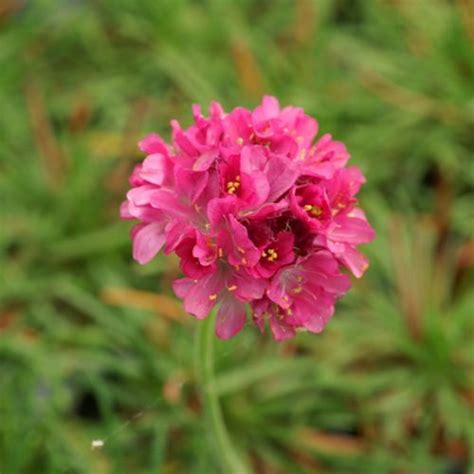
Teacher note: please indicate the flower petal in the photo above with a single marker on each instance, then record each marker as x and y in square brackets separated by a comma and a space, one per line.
[281, 174]
[280, 330]
[153, 143]
[201, 295]
[147, 241]
[231, 318]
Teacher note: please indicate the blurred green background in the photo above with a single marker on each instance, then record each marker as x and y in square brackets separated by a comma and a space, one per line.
[93, 346]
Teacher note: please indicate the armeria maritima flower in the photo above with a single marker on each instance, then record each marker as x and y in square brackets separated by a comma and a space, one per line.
[260, 215]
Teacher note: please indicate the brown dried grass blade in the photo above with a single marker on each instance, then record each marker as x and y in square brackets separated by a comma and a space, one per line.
[248, 71]
[162, 305]
[53, 157]
[331, 443]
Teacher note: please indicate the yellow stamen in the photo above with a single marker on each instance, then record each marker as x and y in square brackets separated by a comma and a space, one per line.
[232, 186]
[271, 255]
[240, 141]
[213, 297]
[315, 211]
[298, 290]
[232, 288]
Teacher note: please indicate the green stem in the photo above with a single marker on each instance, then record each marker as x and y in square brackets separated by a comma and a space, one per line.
[230, 461]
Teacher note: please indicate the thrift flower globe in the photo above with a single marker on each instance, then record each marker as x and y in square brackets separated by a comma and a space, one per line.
[261, 215]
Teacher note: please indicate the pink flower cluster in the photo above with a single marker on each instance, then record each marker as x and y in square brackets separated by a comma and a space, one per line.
[259, 215]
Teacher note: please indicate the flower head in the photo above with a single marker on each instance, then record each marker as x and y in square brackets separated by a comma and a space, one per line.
[261, 218]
